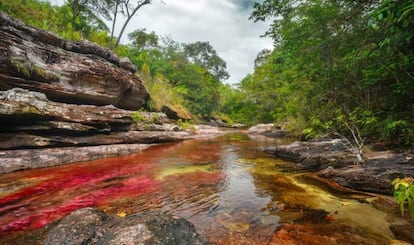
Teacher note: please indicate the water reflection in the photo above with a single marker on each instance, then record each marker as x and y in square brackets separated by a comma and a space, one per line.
[227, 187]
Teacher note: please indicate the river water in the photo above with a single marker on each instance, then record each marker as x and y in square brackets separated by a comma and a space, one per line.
[231, 190]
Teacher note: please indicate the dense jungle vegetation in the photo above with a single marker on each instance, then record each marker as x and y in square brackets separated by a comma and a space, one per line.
[334, 63]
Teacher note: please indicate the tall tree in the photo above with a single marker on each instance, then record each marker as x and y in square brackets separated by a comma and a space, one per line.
[204, 55]
[128, 8]
[143, 40]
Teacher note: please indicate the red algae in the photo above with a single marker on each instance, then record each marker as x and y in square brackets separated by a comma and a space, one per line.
[61, 190]
[64, 189]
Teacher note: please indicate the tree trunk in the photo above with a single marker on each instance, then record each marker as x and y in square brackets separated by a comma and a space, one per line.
[113, 24]
[128, 19]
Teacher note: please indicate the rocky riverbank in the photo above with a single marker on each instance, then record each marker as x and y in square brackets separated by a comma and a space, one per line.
[330, 159]
[58, 97]
[331, 165]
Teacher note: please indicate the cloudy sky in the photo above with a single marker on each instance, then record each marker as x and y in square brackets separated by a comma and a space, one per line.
[224, 23]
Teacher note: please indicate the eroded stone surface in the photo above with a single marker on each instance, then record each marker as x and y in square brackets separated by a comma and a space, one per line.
[71, 72]
[90, 226]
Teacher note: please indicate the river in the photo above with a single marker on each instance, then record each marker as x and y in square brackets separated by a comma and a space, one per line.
[226, 186]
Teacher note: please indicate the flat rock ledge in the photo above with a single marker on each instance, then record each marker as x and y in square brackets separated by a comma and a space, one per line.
[37, 132]
[331, 160]
[333, 167]
[15, 160]
[269, 130]
[91, 226]
[112, 145]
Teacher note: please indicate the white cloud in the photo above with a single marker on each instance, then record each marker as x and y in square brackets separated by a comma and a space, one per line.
[222, 23]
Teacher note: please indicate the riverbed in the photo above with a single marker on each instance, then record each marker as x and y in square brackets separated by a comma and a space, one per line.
[231, 190]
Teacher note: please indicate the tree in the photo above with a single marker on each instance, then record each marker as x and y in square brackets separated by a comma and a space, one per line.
[339, 55]
[128, 8]
[90, 7]
[204, 55]
[142, 40]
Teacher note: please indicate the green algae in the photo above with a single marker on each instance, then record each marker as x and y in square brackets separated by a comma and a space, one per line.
[183, 169]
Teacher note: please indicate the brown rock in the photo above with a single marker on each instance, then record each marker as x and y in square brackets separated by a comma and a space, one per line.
[314, 155]
[268, 130]
[403, 232]
[19, 106]
[25, 140]
[14, 160]
[72, 72]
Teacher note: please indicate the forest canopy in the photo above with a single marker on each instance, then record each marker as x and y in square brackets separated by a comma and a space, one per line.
[335, 62]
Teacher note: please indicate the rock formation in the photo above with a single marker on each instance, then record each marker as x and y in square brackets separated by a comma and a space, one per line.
[66, 71]
[331, 160]
[90, 226]
[57, 96]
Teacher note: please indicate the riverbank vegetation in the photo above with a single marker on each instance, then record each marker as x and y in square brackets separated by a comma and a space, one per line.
[347, 60]
[334, 63]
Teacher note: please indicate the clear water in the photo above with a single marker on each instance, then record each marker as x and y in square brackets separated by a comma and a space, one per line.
[227, 187]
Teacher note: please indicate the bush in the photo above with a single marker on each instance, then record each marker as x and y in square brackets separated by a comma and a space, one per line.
[404, 194]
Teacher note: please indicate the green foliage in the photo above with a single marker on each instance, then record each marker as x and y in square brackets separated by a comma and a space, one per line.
[138, 117]
[178, 74]
[21, 68]
[333, 62]
[186, 125]
[163, 93]
[404, 194]
[142, 40]
[60, 20]
[397, 131]
[204, 55]
[156, 118]
[171, 72]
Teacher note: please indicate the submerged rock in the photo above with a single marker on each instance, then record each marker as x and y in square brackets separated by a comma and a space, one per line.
[91, 226]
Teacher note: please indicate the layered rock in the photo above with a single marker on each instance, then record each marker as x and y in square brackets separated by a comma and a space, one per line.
[330, 159]
[30, 124]
[59, 96]
[268, 130]
[314, 155]
[66, 71]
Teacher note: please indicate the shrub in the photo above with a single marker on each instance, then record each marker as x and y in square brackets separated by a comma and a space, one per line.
[404, 194]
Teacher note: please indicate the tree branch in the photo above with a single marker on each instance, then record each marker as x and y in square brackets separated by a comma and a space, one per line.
[140, 4]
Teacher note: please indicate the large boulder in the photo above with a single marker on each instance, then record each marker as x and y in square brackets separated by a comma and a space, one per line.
[71, 72]
[90, 226]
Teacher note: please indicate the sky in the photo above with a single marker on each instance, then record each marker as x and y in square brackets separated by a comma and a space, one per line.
[223, 23]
